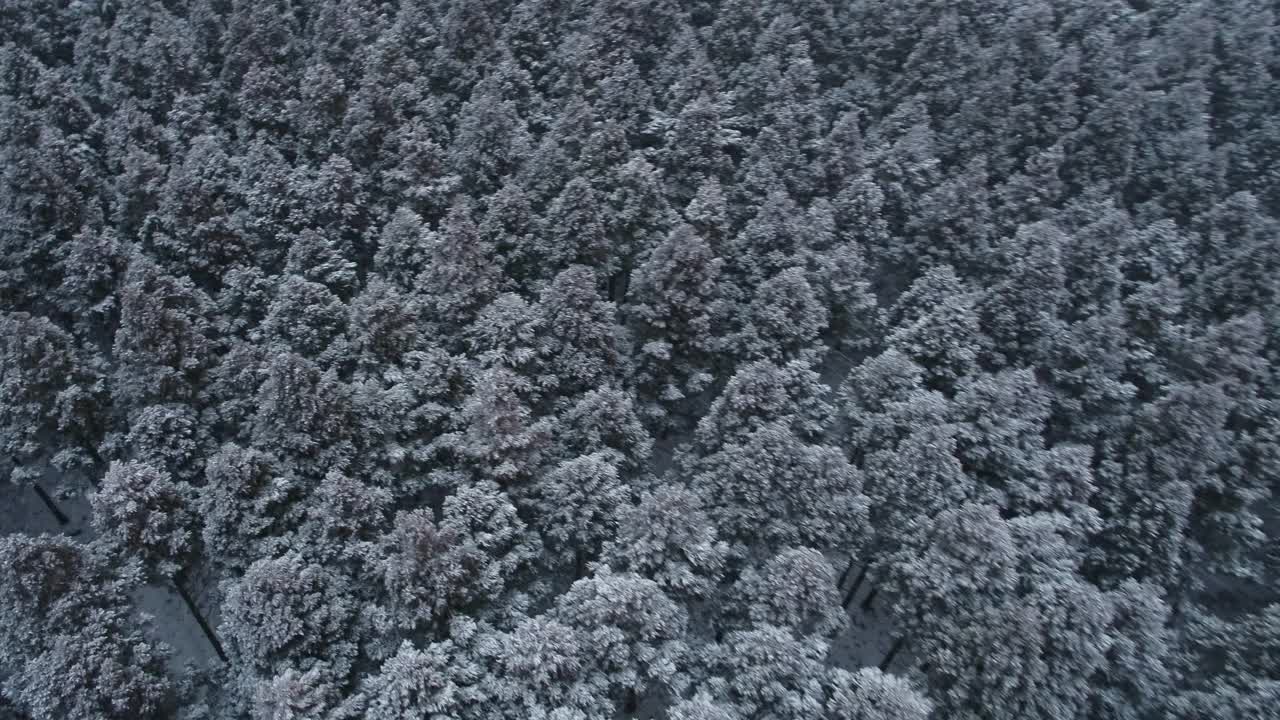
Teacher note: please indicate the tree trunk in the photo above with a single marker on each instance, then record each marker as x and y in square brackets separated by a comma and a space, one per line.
[869, 600]
[632, 702]
[848, 597]
[619, 283]
[847, 569]
[893, 653]
[58, 515]
[195, 612]
[862, 575]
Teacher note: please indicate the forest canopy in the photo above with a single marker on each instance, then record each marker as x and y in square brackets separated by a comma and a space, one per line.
[687, 359]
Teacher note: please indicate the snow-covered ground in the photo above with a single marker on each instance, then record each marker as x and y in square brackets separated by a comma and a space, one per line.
[172, 623]
[869, 635]
[866, 640]
[22, 511]
[835, 368]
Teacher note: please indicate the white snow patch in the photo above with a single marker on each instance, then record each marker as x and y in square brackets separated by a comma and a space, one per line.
[869, 635]
[21, 511]
[174, 625]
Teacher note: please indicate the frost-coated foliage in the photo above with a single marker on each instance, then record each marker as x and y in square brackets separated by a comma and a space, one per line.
[756, 488]
[429, 570]
[448, 679]
[760, 393]
[566, 360]
[294, 695]
[169, 437]
[69, 639]
[668, 538]
[139, 511]
[104, 669]
[52, 396]
[870, 694]
[633, 634]
[768, 672]
[242, 502]
[604, 420]
[577, 504]
[540, 668]
[796, 590]
[287, 612]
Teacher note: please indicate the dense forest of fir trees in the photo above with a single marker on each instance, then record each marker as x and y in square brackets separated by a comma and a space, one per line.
[563, 360]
